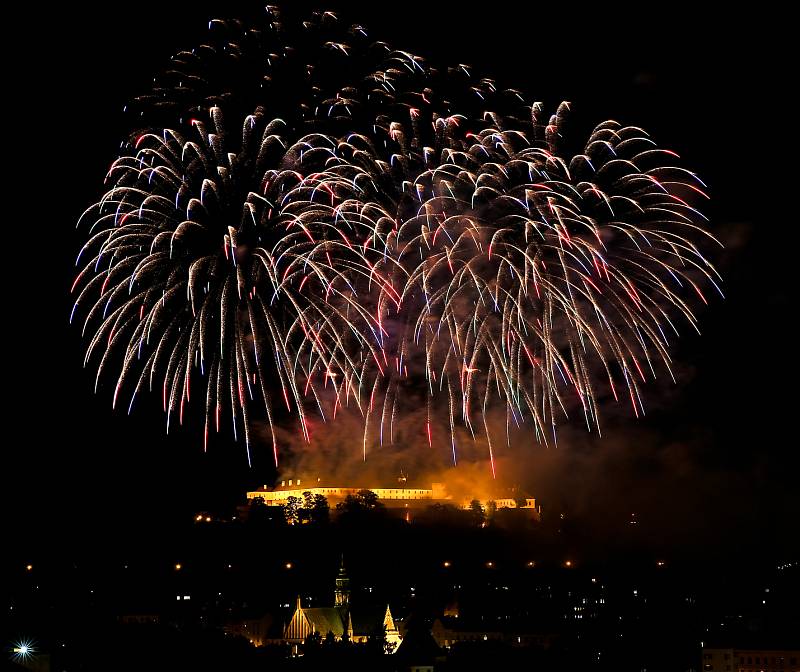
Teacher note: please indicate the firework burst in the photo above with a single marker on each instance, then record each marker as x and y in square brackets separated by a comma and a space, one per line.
[230, 264]
[398, 229]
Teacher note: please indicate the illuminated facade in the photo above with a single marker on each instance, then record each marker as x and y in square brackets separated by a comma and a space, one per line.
[395, 497]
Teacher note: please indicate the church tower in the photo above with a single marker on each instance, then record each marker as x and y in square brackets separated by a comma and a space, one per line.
[342, 591]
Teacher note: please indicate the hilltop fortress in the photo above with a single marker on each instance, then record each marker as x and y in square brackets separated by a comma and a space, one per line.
[399, 496]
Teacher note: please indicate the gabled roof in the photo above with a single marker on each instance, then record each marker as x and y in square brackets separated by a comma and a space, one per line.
[326, 619]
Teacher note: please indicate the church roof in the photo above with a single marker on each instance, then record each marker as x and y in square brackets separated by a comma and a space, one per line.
[365, 621]
[326, 619]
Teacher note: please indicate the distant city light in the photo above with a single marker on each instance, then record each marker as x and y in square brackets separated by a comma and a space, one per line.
[29, 567]
[568, 563]
[178, 566]
[288, 565]
[446, 563]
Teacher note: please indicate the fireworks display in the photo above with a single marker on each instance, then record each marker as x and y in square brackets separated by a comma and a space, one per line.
[302, 227]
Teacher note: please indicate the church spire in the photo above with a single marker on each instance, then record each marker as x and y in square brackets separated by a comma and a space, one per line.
[342, 591]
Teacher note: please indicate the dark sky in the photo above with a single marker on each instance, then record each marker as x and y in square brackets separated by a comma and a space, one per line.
[708, 87]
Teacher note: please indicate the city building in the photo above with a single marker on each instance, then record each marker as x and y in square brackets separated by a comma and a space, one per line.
[750, 660]
[449, 630]
[356, 623]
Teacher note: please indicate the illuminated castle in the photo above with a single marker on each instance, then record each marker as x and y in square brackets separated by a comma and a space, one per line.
[397, 497]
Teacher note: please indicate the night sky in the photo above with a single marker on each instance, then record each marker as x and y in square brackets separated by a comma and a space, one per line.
[722, 441]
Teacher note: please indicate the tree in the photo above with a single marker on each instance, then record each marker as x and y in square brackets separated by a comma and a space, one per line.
[291, 510]
[378, 644]
[362, 501]
[313, 509]
[319, 511]
[257, 512]
[478, 514]
[491, 509]
[312, 644]
[368, 499]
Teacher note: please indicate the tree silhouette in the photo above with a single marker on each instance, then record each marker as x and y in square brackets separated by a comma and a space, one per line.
[364, 505]
[291, 510]
[478, 514]
[315, 509]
